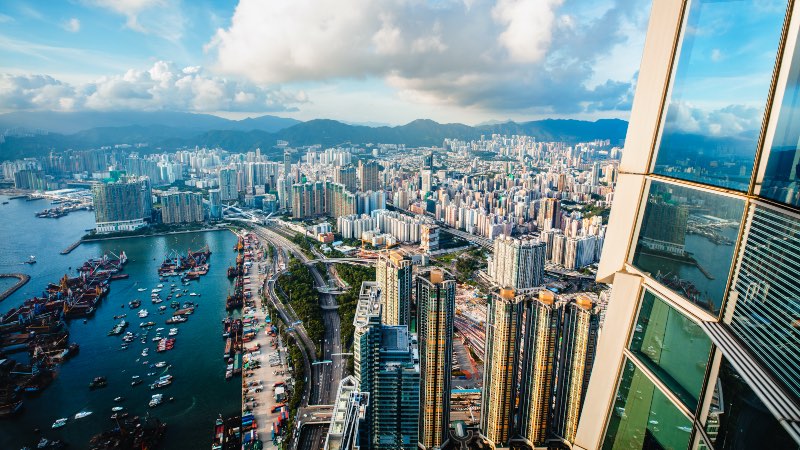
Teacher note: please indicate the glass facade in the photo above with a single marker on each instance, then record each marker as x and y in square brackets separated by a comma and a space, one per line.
[642, 417]
[686, 241]
[737, 418]
[719, 90]
[673, 347]
[767, 313]
[782, 175]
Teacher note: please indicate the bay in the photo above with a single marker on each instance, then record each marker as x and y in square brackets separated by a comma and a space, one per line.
[199, 389]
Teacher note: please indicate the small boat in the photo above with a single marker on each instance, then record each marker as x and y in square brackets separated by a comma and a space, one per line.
[145, 351]
[161, 364]
[162, 308]
[119, 399]
[173, 331]
[134, 303]
[60, 422]
[141, 289]
[82, 414]
[160, 286]
[156, 400]
[117, 408]
[193, 294]
[31, 260]
[143, 313]
[98, 382]
[120, 316]
[155, 291]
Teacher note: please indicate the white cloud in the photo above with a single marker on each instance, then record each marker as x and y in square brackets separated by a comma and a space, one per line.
[162, 18]
[731, 120]
[162, 87]
[508, 55]
[72, 25]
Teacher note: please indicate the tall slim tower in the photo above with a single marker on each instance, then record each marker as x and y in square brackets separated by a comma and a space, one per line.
[518, 263]
[393, 273]
[436, 295]
[369, 176]
[541, 328]
[503, 348]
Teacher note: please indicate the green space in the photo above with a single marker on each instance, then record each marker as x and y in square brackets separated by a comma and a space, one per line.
[353, 276]
[297, 284]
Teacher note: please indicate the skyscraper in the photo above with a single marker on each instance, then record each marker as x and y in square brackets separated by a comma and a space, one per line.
[182, 207]
[228, 184]
[702, 238]
[549, 214]
[122, 205]
[393, 273]
[347, 176]
[369, 174]
[518, 263]
[436, 294]
[501, 361]
[215, 204]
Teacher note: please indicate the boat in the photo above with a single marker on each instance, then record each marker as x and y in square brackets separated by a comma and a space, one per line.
[146, 324]
[142, 289]
[193, 294]
[143, 313]
[145, 352]
[163, 381]
[137, 382]
[82, 414]
[60, 422]
[31, 260]
[155, 291]
[120, 316]
[98, 382]
[161, 364]
[172, 332]
[162, 308]
[176, 319]
[119, 399]
[156, 400]
[134, 303]
[117, 408]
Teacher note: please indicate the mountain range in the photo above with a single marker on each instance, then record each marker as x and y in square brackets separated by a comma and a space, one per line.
[37, 133]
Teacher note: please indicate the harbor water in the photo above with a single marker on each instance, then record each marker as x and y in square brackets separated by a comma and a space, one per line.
[199, 389]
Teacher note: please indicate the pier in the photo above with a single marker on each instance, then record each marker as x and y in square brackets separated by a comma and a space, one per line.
[72, 247]
[23, 279]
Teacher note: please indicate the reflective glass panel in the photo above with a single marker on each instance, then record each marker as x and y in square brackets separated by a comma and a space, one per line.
[738, 420]
[720, 87]
[782, 175]
[767, 313]
[686, 241]
[644, 418]
[673, 347]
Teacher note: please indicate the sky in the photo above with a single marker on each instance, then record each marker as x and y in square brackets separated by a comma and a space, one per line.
[359, 61]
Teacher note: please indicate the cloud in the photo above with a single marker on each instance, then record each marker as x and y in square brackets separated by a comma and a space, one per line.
[163, 86]
[162, 18]
[508, 55]
[72, 25]
[731, 120]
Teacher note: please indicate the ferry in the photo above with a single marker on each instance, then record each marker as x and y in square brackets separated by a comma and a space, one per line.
[82, 414]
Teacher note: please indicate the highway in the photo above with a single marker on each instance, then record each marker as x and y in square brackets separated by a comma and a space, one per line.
[327, 372]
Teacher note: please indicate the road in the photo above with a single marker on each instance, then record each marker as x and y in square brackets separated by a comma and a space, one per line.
[327, 372]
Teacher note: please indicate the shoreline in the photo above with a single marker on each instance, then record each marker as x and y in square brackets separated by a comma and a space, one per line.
[163, 233]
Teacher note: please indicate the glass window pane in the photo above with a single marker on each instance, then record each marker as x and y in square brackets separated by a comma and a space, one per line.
[767, 313]
[719, 91]
[686, 241]
[737, 418]
[782, 175]
[672, 347]
[643, 418]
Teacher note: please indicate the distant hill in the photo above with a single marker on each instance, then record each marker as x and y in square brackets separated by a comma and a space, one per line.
[250, 134]
[74, 122]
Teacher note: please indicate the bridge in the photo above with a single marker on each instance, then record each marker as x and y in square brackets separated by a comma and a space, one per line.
[314, 415]
[343, 260]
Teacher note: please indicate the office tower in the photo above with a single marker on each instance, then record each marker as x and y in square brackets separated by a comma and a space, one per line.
[429, 237]
[702, 239]
[502, 353]
[535, 398]
[228, 184]
[122, 205]
[518, 263]
[369, 176]
[349, 412]
[436, 295]
[387, 369]
[347, 176]
[393, 272]
[214, 204]
[549, 214]
[580, 322]
[339, 201]
[182, 207]
[427, 162]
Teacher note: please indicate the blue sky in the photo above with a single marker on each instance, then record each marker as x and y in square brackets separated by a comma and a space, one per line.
[354, 60]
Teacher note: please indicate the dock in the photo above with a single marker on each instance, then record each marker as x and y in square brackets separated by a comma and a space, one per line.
[23, 279]
[72, 247]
